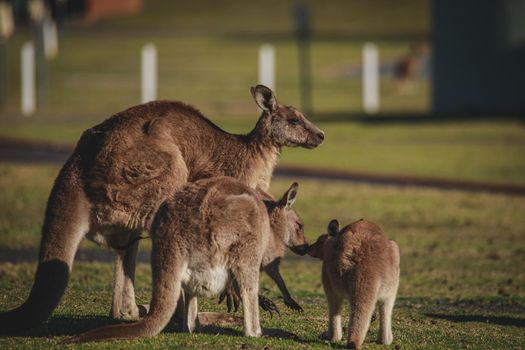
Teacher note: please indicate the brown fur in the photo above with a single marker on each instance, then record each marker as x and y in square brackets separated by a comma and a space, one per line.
[124, 168]
[211, 228]
[359, 264]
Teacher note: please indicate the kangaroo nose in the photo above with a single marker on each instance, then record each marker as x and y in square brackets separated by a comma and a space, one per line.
[321, 135]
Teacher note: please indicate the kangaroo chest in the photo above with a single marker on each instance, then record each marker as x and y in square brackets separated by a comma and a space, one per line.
[260, 172]
[206, 281]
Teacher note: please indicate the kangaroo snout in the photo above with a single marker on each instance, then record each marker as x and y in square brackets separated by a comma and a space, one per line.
[300, 249]
[315, 137]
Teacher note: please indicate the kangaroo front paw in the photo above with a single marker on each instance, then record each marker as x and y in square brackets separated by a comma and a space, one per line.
[292, 304]
[233, 299]
[268, 305]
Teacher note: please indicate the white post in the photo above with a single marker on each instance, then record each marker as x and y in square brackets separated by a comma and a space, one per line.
[267, 66]
[370, 78]
[50, 39]
[28, 78]
[149, 73]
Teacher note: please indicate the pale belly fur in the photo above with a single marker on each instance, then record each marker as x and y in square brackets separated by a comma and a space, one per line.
[207, 282]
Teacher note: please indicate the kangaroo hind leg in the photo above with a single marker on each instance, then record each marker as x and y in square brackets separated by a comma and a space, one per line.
[191, 309]
[362, 306]
[168, 268]
[124, 306]
[248, 279]
[386, 307]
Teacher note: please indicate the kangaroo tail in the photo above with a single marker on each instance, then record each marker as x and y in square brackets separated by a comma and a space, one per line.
[152, 324]
[168, 268]
[49, 286]
[163, 304]
[362, 305]
[65, 224]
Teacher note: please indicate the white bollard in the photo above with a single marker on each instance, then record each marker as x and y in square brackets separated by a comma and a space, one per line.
[50, 39]
[149, 73]
[370, 78]
[267, 66]
[28, 78]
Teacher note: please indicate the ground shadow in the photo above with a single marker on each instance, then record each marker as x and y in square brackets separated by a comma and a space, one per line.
[499, 320]
[222, 323]
[68, 326]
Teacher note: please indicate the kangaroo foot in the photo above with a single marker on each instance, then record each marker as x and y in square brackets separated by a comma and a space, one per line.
[129, 312]
[325, 336]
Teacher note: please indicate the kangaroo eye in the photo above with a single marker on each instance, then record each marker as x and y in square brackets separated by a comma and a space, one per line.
[293, 121]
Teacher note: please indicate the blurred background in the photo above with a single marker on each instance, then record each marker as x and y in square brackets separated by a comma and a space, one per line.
[208, 53]
[422, 103]
[346, 64]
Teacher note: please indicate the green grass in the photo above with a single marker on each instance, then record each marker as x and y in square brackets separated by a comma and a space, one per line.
[462, 279]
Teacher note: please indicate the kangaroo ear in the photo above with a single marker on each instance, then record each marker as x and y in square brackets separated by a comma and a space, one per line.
[264, 98]
[333, 227]
[289, 197]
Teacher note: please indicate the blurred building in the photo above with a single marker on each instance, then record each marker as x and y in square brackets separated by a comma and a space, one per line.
[479, 57]
[90, 10]
[96, 9]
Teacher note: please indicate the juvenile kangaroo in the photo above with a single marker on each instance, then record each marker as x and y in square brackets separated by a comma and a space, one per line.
[362, 265]
[123, 169]
[208, 232]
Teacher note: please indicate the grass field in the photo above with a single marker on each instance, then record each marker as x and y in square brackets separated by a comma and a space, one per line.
[462, 280]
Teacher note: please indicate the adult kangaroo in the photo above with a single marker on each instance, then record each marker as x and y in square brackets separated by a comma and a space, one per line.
[123, 169]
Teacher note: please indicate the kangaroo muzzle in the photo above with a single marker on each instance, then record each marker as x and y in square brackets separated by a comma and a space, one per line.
[315, 136]
[300, 249]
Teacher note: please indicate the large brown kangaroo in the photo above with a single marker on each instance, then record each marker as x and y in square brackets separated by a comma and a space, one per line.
[123, 169]
[210, 231]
